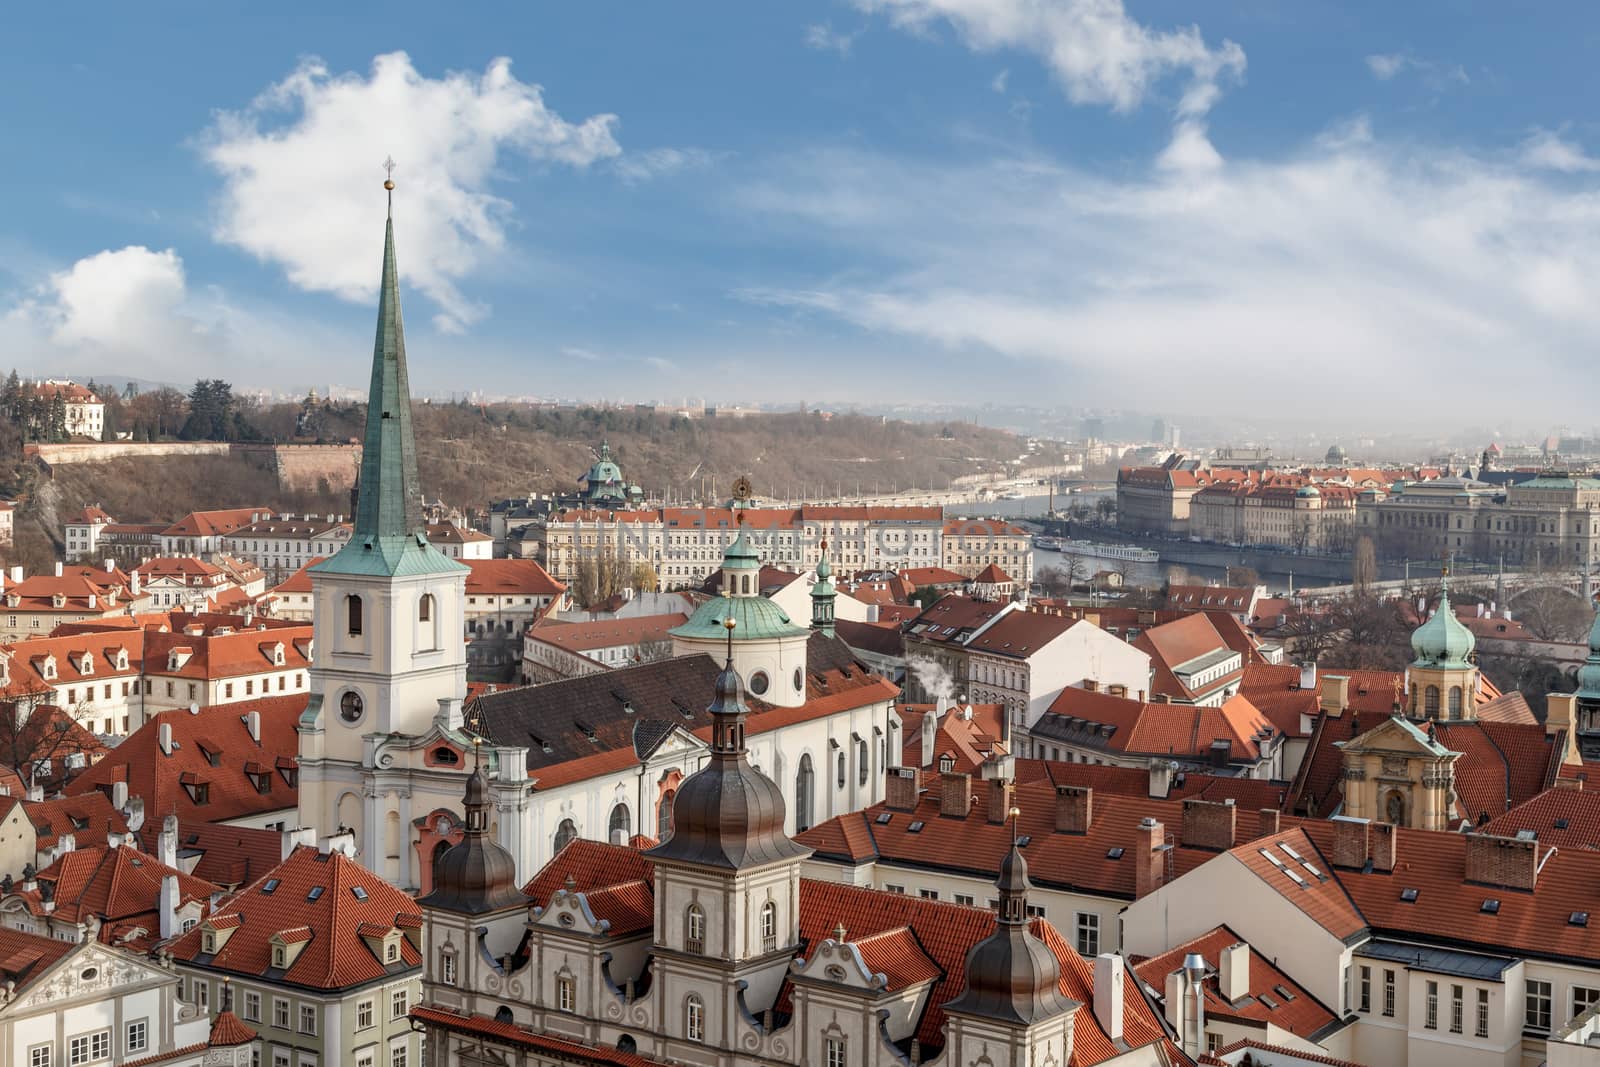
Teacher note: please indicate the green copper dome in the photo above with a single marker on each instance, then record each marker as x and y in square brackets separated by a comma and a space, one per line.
[1443, 642]
[1589, 673]
[757, 619]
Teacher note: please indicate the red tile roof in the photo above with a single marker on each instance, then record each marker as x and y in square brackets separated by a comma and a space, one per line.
[512, 1034]
[1320, 896]
[310, 897]
[1291, 1007]
[508, 577]
[229, 856]
[591, 865]
[1180, 730]
[584, 637]
[220, 732]
[25, 957]
[992, 575]
[88, 818]
[1563, 817]
[212, 523]
[121, 887]
[898, 956]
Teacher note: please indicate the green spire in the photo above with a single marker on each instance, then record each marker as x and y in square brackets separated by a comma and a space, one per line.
[389, 536]
[822, 595]
[390, 500]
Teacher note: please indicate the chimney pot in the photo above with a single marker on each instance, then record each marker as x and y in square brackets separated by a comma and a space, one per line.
[1233, 972]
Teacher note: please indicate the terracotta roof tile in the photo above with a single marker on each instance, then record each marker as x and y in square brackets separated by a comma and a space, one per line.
[1320, 895]
[1286, 1004]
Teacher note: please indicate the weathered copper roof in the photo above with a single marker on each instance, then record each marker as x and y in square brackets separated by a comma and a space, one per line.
[475, 875]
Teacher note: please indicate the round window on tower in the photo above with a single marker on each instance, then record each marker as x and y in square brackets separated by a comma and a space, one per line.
[350, 707]
[799, 680]
[759, 682]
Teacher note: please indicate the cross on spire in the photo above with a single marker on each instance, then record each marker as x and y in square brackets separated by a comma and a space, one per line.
[388, 181]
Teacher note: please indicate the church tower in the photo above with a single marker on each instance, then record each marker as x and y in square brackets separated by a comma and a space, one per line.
[388, 611]
[1443, 676]
[823, 594]
[727, 887]
[1012, 1013]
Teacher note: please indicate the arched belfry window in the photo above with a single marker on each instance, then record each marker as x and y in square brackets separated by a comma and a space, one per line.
[352, 611]
[425, 608]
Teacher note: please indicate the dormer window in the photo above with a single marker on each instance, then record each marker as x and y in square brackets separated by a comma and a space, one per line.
[280, 956]
[122, 659]
[277, 655]
[391, 951]
[49, 669]
[86, 665]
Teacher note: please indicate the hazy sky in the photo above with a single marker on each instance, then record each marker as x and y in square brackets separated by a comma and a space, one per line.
[1316, 206]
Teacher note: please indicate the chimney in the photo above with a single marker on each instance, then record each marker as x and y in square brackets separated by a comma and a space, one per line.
[900, 793]
[343, 841]
[58, 568]
[94, 602]
[930, 735]
[999, 799]
[1150, 857]
[293, 839]
[1161, 778]
[1381, 846]
[119, 795]
[1173, 1002]
[110, 565]
[164, 738]
[16, 575]
[167, 842]
[1194, 1004]
[1233, 972]
[1308, 676]
[450, 714]
[1090, 685]
[1109, 985]
[1210, 824]
[252, 722]
[134, 813]
[133, 584]
[169, 906]
[1074, 809]
[1351, 843]
[955, 794]
[1335, 694]
[1509, 862]
[1271, 821]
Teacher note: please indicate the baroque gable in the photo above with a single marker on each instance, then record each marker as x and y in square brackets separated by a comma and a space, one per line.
[87, 974]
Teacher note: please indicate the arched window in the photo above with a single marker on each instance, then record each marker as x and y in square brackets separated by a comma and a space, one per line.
[769, 926]
[841, 770]
[694, 1018]
[1430, 702]
[565, 834]
[621, 825]
[352, 611]
[804, 789]
[438, 854]
[694, 928]
[744, 583]
[425, 608]
[664, 816]
[863, 763]
[502, 1014]
[1455, 702]
[566, 993]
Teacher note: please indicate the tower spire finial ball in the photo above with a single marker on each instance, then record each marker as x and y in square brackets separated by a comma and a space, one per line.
[388, 173]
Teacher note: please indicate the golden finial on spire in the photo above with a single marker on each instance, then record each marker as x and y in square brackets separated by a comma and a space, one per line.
[388, 173]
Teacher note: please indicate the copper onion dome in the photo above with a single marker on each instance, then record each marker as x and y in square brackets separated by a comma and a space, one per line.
[475, 875]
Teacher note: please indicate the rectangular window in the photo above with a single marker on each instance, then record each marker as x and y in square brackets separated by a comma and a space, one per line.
[1036, 911]
[39, 1056]
[447, 968]
[364, 1057]
[1583, 998]
[1088, 933]
[308, 1019]
[1483, 1013]
[566, 994]
[398, 1055]
[1536, 1004]
[928, 894]
[965, 901]
[280, 1058]
[887, 888]
[364, 1015]
[280, 1013]
[1388, 993]
[89, 1048]
[836, 1052]
[1364, 999]
[202, 995]
[1430, 1020]
[138, 1036]
[1457, 1000]
[252, 1006]
[397, 1004]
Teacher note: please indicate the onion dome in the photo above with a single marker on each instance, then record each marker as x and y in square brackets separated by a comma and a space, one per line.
[475, 875]
[1012, 976]
[728, 814]
[758, 618]
[1589, 673]
[1442, 643]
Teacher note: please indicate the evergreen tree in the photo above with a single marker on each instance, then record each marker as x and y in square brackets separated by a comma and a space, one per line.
[11, 398]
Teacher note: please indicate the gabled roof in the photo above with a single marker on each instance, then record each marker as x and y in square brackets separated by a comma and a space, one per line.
[1272, 996]
[992, 575]
[1565, 817]
[25, 957]
[583, 637]
[1021, 634]
[219, 733]
[121, 887]
[1184, 731]
[509, 577]
[228, 856]
[311, 897]
[1285, 861]
[88, 818]
[590, 865]
[212, 523]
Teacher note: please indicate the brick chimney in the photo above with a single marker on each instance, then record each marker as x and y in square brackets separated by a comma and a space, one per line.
[1074, 809]
[1351, 844]
[901, 794]
[1210, 824]
[999, 790]
[1271, 822]
[1149, 857]
[955, 794]
[1381, 846]
[1511, 862]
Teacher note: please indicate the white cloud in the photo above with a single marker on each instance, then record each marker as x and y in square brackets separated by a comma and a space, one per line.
[301, 178]
[999, 82]
[634, 167]
[1353, 275]
[132, 310]
[824, 38]
[1098, 53]
[1548, 150]
[1386, 66]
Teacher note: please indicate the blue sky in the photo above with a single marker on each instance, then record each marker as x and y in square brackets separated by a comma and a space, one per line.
[1323, 207]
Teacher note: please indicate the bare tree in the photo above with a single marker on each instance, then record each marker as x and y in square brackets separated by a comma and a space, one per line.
[1553, 614]
[653, 651]
[34, 731]
[1240, 575]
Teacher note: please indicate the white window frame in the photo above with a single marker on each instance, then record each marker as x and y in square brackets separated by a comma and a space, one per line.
[399, 1003]
[307, 1015]
[252, 1006]
[365, 1010]
[136, 1036]
[1088, 932]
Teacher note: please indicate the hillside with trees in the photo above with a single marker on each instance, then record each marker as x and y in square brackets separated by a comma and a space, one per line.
[470, 455]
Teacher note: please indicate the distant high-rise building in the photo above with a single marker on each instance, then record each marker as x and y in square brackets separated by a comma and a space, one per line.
[1094, 428]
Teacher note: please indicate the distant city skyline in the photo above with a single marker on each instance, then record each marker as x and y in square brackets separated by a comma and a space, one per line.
[1354, 213]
